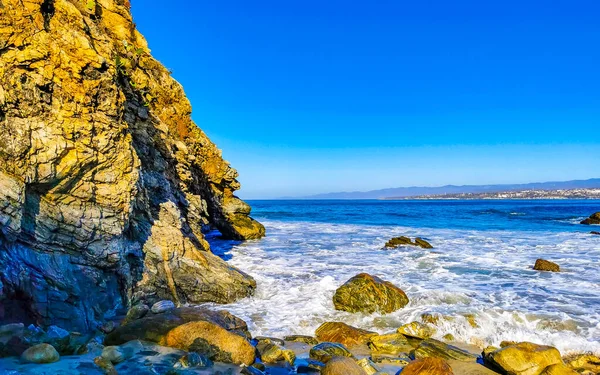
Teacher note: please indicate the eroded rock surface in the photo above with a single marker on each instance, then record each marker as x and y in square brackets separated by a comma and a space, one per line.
[106, 185]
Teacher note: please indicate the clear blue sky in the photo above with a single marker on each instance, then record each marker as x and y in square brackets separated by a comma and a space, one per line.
[315, 96]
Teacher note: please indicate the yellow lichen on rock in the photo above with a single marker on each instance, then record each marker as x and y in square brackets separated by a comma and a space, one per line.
[111, 183]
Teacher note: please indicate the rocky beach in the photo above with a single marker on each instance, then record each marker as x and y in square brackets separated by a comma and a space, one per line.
[125, 250]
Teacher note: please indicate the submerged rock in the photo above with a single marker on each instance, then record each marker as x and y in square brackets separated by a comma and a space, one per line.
[106, 184]
[369, 294]
[41, 353]
[524, 358]
[342, 366]
[324, 351]
[594, 219]
[545, 265]
[428, 366]
[343, 333]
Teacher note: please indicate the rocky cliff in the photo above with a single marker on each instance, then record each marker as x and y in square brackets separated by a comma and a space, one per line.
[106, 185]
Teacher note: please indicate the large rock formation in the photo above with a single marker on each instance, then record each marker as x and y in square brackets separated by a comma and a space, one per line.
[106, 185]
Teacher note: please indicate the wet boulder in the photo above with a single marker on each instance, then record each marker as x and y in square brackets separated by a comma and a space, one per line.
[390, 344]
[368, 294]
[162, 307]
[584, 362]
[594, 219]
[342, 366]
[218, 334]
[324, 351]
[524, 358]
[595, 233]
[545, 265]
[417, 330]
[437, 349]
[272, 352]
[343, 334]
[559, 369]
[41, 353]
[428, 366]
[405, 241]
[136, 312]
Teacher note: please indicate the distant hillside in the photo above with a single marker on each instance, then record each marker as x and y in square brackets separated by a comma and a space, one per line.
[416, 191]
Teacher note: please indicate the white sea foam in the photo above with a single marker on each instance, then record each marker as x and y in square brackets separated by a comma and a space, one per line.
[489, 274]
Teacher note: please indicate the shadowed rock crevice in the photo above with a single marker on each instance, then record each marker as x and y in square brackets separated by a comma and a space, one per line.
[107, 187]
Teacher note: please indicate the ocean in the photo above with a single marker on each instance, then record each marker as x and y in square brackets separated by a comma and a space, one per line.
[479, 275]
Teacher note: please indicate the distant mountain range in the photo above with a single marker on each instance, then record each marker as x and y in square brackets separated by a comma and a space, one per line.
[415, 191]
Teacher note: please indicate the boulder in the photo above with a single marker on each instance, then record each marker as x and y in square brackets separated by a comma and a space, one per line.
[162, 306]
[115, 354]
[584, 362]
[594, 219]
[405, 241]
[136, 312]
[302, 338]
[324, 351]
[399, 241]
[212, 340]
[438, 349]
[595, 232]
[368, 294]
[343, 333]
[342, 366]
[271, 352]
[391, 344]
[545, 265]
[524, 358]
[106, 183]
[155, 327]
[417, 330]
[559, 369]
[428, 366]
[422, 243]
[41, 353]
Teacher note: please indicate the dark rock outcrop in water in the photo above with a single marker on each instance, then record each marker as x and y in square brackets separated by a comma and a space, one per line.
[405, 241]
[594, 219]
[106, 185]
[546, 265]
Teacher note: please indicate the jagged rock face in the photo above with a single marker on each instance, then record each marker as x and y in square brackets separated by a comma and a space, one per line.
[106, 185]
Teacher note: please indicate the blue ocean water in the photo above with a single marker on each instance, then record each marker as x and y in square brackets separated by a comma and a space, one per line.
[529, 215]
[481, 267]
